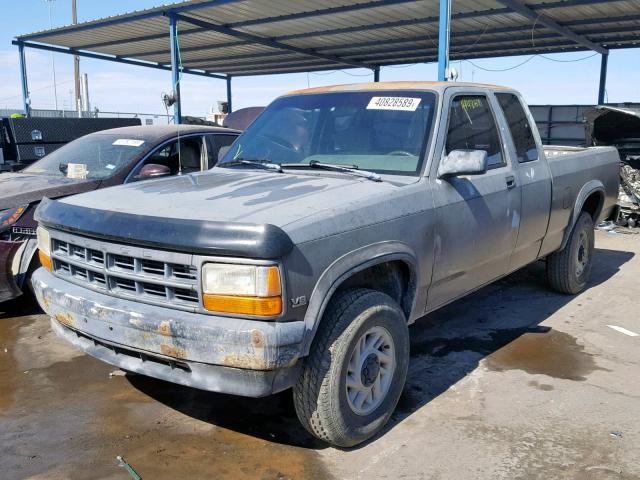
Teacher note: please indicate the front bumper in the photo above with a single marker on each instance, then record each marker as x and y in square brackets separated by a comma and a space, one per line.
[8, 287]
[230, 355]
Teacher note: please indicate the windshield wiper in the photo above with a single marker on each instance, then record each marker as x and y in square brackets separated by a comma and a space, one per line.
[266, 164]
[352, 169]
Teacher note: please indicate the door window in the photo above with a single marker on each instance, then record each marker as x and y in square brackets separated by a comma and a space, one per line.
[185, 153]
[473, 127]
[215, 142]
[523, 138]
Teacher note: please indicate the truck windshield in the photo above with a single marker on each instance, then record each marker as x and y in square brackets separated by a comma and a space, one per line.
[382, 131]
[95, 156]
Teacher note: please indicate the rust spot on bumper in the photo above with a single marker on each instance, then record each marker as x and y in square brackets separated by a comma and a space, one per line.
[65, 319]
[257, 338]
[173, 351]
[165, 329]
[245, 360]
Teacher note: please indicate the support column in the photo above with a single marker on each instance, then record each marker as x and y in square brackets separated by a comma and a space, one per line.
[443, 39]
[376, 74]
[175, 68]
[229, 105]
[26, 102]
[603, 78]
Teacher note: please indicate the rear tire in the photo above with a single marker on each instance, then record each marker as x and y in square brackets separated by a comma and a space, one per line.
[569, 269]
[356, 370]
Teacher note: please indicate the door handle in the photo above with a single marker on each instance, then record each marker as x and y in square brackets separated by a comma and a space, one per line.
[511, 181]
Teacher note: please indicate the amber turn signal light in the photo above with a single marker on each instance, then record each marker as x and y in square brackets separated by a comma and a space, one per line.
[45, 260]
[257, 306]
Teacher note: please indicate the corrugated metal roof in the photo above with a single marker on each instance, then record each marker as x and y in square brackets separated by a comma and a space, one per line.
[253, 37]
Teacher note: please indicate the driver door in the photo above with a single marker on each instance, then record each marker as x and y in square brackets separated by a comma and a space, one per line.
[477, 216]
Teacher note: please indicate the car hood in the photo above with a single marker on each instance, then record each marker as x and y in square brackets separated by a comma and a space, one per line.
[18, 189]
[238, 196]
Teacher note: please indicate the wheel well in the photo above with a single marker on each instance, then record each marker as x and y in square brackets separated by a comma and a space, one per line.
[393, 278]
[593, 205]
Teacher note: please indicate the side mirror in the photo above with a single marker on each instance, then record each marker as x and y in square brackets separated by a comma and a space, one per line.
[223, 151]
[463, 162]
[153, 170]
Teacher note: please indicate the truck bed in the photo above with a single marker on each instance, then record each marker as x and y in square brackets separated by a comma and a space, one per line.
[572, 171]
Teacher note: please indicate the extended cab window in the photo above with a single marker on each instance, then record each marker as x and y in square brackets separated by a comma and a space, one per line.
[523, 139]
[472, 127]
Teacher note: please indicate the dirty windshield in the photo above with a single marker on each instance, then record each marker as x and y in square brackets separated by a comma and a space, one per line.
[90, 157]
[381, 131]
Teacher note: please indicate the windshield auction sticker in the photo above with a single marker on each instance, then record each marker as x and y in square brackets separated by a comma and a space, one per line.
[77, 170]
[127, 142]
[394, 103]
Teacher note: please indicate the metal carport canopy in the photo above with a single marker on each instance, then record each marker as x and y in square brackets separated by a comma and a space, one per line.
[228, 38]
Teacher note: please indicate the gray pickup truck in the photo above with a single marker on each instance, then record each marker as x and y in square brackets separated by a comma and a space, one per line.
[341, 216]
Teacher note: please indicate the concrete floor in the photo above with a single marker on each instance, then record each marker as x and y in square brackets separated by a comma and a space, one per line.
[511, 382]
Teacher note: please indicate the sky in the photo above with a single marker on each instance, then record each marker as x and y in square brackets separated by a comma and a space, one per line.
[121, 88]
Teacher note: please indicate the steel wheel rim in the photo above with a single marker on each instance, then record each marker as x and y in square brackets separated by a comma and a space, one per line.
[370, 370]
[582, 254]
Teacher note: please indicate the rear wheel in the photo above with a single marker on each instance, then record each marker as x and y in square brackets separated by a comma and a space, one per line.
[569, 269]
[355, 372]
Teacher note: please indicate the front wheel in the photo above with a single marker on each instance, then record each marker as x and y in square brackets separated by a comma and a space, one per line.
[356, 370]
[569, 269]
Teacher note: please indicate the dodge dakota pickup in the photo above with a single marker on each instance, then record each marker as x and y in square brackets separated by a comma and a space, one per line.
[339, 217]
[98, 160]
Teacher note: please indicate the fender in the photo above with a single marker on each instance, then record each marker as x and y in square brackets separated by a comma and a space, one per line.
[590, 187]
[28, 253]
[347, 266]
[8, 287]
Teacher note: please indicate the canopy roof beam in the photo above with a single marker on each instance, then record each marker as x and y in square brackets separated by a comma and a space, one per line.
[110, 58]
[268, 42]
[122, 19]
[527, 12]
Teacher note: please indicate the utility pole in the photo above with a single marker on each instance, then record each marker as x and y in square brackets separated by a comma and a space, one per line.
[76, 63]
[53, 59]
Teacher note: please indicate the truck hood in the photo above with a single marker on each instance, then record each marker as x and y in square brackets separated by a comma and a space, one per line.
[241, 196]
[18, 189]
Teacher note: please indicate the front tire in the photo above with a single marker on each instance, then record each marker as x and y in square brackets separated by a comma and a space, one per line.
[569, 269]
[352, 380]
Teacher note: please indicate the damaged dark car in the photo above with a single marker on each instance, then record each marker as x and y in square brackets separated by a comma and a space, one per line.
[620, 127]
[98, 160]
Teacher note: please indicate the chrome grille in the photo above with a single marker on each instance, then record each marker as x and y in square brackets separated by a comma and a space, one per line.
[146, 279]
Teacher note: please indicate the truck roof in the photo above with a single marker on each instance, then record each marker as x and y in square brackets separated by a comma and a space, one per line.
[158, 132]
[399, 85]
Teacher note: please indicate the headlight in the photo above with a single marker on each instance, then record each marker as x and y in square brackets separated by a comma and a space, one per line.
[242, 289]
[44, 248]
[11, 216]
